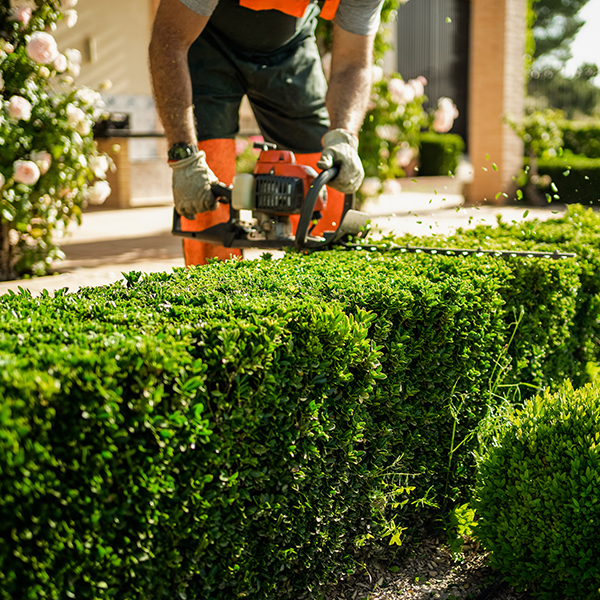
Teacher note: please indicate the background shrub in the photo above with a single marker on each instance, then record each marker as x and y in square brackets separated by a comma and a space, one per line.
[581, 137]
[538, 499]
[439, 153]
[574, 179]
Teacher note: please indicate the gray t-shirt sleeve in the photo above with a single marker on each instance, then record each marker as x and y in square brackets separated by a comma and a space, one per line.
[356, 16]
[202, 7]
[359, 16]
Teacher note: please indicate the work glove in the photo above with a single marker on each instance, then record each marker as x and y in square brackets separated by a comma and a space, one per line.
[340, 149]
[192, 179]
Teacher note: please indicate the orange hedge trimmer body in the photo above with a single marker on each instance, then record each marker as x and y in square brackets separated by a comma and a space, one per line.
[278, 187]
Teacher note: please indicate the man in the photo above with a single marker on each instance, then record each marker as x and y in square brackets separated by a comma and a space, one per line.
[205, 55]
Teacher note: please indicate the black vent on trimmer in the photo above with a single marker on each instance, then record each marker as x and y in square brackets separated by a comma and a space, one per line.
[278, 194]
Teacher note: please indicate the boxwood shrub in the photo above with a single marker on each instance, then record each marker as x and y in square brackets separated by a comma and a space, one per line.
[244, 428]
[439, 153]
[575, 179]
[537, 495]
[581, 137]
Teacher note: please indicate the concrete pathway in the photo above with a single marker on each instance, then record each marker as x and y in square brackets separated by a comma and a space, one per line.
[111, 242]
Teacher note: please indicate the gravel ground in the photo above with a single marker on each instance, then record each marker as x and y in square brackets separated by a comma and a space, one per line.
[429, 572]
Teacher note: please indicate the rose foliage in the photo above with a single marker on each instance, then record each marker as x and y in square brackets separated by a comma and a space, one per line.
[48, 158]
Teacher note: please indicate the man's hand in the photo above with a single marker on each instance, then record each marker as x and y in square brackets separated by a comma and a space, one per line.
[340, 149]
[192, 179]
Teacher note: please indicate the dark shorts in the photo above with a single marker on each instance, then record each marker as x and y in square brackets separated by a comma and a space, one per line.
[286, 88]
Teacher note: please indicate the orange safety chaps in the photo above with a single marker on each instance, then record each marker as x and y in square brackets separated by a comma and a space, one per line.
[220, 155]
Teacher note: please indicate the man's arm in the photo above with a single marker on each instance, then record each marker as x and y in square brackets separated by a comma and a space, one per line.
[175, 29]
[347, 98]
[350, 79]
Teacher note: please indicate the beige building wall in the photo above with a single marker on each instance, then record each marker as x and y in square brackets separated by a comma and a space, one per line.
[113, 38]
[497, 89]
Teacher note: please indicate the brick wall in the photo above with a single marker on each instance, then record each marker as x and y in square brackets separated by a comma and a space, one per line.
[497, 88]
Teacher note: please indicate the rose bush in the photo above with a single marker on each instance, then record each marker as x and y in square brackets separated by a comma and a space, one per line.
[389, 138]
[49, 163]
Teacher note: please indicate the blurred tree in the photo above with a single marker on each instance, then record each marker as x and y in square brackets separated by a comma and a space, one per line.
[575, 96]
[556, 24]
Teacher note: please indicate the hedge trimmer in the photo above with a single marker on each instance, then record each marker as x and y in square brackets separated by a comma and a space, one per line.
[280, 187]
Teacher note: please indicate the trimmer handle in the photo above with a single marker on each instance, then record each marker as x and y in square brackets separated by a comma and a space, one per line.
[308, 206]
[222, 192]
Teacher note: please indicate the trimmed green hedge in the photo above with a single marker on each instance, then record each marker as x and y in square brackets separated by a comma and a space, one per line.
[575, 180]
[439, 153]
[581, 137]
[244, 428]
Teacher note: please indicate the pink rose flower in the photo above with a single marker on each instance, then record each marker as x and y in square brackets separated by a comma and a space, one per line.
[21, 14]
[42, 48]
[43, 160]
[401, 92]
[19, 109]
[26, 172]
[442, 122]
[404, 155]
[396, 90]
[418, 87]
[443, 118]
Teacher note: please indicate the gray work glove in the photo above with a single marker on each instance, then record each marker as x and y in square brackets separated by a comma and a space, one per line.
[340, 149]
[192, 179]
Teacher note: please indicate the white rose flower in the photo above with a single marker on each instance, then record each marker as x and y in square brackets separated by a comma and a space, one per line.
[370, 186]
[99, 166]
[67, 4]
[391, 187]
[376, 73]
[88, 95]
[60, 63]
[71, 16]
[99, 192]
[83, 127]
[73, 56]
[74, 114]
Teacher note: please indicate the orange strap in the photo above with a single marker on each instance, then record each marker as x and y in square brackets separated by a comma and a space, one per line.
[294, 8]
[220, 155]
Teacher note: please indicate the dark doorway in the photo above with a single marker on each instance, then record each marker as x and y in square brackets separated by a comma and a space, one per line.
[433, 40]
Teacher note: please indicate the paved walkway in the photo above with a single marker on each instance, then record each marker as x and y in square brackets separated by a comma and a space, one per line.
[111, 242]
